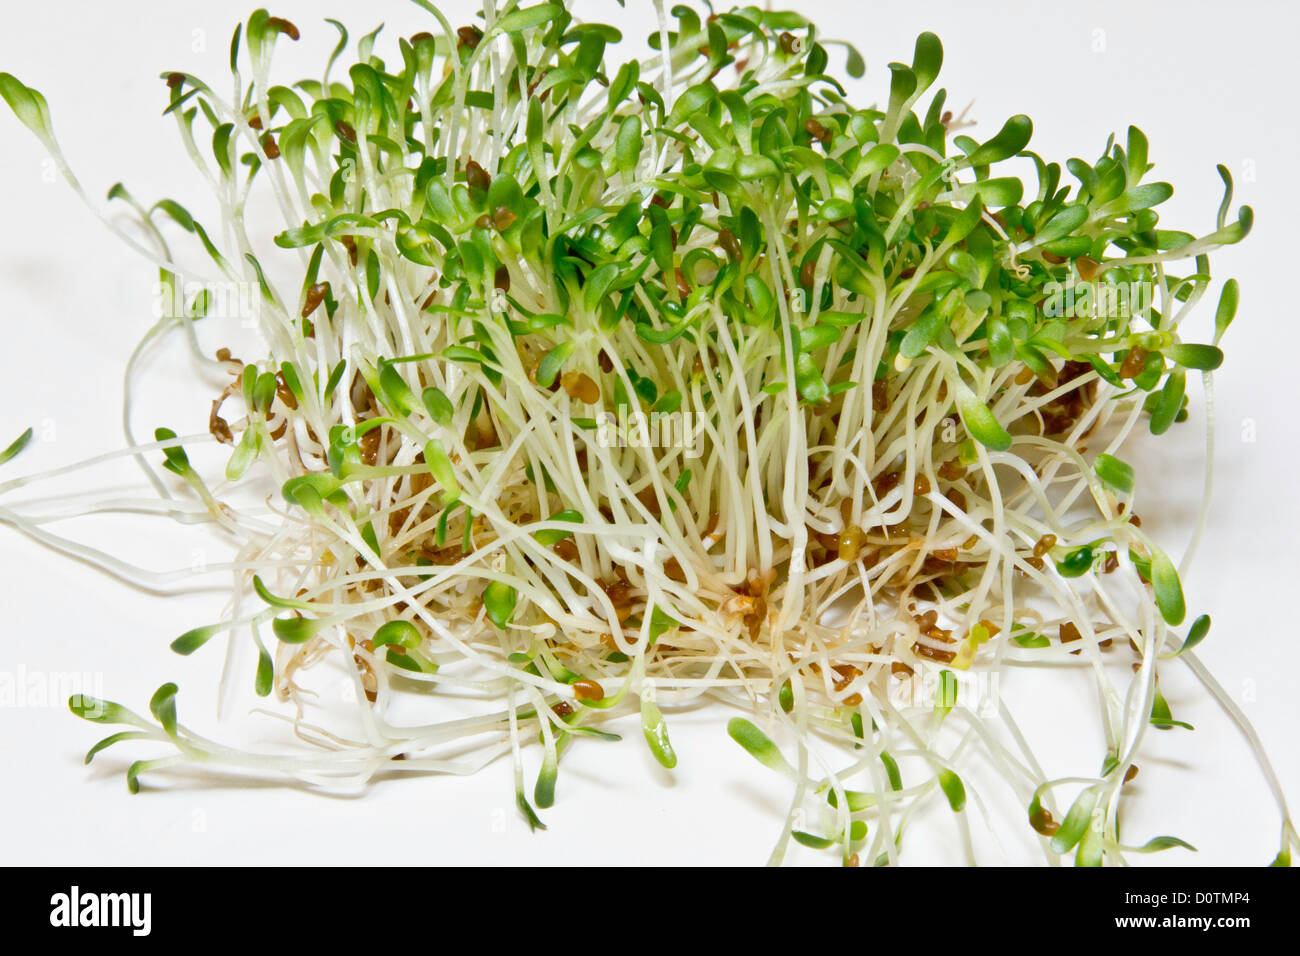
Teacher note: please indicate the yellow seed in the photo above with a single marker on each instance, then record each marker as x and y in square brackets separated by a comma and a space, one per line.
[845, 674]
[503, 219]
[851, 541]
[580, 387]
[1044, 544]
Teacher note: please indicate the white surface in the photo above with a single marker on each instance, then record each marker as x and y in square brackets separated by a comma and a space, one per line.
[1206, 85]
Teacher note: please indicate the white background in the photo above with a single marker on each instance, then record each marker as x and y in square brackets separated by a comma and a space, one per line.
[1208, 83]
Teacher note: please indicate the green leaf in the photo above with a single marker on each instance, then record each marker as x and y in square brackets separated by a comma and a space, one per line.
[809, 840]
[549, 367]
[1031, 640]
[1168, 588]
[1204, 358]
[1196, 633]
[1115, 473]
[463, 353]
[656, 734]
[1137, 154]
[1227, 309]
[290, 604]
[1168, 402]
[261, 277]
[854, 65]
[295, 630]
[399, 633]
[1144, 197]
[103, 711]
[750, 168]
[289, 372]
[534, 821]
[311, 489]
[1162, 717]
[593, 733]
[1000, 191]
[891, 770]
[945, 698]
[1142, 564]
[412, 660]
[758, 744]
[163, 706]
[443, 471]
[367, 529]
[598, 283]
[1092, 849]
[178, 213]
[856, 800]
[263, 394]
[660, 623]
[28, 105]
[878, 158]
[666, 404]
[245, 453]
[923, 332]
[627, 144]
[438, 405]
[192, 640]
[113, 739]
[372, 275]
[528, 18]
[953, 789]
[1011, 139]
[926, 61]
[808, 379]
[16, 448]
[265, 676]
[336, 376]
[499, 600]
[1156, 844]
[1075, 824]
[1062, 224]
[1001, 347]
[1086, 175]
[544, 792]
[980, 422]
[400, 397]
[549, 537]
[177, 462]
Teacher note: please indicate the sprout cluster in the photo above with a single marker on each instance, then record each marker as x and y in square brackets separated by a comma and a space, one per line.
[603, 387]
